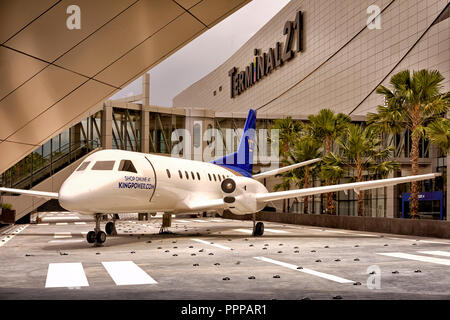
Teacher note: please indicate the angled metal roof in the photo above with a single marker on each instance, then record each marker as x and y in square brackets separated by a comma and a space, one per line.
[51, 76]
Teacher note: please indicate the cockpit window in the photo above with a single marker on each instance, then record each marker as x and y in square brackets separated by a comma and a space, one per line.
[83, 166]
[103, 165]
[127, 165]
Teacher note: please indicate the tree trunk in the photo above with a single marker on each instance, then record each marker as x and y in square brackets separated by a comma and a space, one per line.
[360, 193]
[306, 185]
[415, 170]
[330, 204]
[415, 163]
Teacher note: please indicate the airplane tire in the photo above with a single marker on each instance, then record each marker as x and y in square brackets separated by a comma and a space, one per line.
[90, 237]
[109, 228]
[101, 237]
[259, 229]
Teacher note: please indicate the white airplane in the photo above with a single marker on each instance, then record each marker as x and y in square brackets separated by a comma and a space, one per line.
[116, 181]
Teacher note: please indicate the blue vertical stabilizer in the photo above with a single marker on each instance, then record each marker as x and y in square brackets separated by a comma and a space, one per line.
[242, 160]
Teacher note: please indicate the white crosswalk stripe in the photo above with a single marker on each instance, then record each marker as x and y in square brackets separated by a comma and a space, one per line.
[408, 256]
[127, 273]
[59, 235]
[66, 275]
[52, 219]
[182, 221]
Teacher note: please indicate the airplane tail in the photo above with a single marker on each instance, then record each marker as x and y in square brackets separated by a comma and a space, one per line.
[242, 160]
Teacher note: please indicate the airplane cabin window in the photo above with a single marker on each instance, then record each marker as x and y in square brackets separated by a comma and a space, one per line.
[192, 174]
[83, 166]
[181, 175]
[168, 173]
[198, 176]
[127, 165]
[104, 165]
[220, 178]
[214, 176]
[209, 176]
[187, 175]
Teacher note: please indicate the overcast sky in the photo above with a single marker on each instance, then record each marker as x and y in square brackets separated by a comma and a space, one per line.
[205, 53]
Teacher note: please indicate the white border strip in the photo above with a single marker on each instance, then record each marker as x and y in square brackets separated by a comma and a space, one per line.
[444, 262]
[305, 270]
[437, 253]
[212, 244]
[11, 235]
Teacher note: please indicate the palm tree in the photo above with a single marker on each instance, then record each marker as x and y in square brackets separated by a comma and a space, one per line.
[288, 178]
[438, 133]
[288, 129]
[304, 149]
[413, 103]
[362, 150]
[327, 126]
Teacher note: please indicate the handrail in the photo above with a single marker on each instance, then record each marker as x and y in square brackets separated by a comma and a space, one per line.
[57, 163]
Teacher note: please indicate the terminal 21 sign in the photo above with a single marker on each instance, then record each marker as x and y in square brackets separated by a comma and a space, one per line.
[265, 63]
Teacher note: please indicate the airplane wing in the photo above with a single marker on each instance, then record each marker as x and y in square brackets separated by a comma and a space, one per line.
[357, 186]
[33, 193]
[270, 173]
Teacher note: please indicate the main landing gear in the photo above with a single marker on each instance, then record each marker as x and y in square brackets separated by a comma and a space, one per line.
[97, 236]
[258, 228]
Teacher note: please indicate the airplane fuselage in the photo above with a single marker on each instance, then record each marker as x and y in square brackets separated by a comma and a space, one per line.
[106, 183]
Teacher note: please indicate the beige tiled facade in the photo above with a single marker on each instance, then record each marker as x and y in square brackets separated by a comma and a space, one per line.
[342, 62]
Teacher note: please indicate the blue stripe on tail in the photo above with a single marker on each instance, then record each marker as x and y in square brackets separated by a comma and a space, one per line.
[242, 160]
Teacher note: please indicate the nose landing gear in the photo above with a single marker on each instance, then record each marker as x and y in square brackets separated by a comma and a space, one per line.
[97, 236]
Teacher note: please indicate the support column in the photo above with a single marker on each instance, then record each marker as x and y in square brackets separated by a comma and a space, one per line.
[390, 199]
[145, 114]
[107, 126]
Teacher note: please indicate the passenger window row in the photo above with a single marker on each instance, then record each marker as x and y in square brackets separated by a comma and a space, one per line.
[194, 176]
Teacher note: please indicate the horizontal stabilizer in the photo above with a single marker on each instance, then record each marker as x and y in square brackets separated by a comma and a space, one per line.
[33, 193]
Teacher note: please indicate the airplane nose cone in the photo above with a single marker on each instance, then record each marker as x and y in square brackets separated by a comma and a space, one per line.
[73, 197]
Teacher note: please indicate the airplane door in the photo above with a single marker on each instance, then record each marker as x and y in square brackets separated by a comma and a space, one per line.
[153, 179]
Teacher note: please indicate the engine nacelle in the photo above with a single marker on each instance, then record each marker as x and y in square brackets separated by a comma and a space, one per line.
[239, 195]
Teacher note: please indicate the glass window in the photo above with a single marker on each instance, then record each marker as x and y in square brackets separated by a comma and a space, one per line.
[214, 176]
[186, 174]
[209, 176]
[103, 165]
[181, 175]
[192, 174]
[83, 166]
[198, 176]
[168, 172]
[220, 178]
[127, 165]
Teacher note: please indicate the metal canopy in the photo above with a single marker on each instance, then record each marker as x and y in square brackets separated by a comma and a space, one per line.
[51, 76]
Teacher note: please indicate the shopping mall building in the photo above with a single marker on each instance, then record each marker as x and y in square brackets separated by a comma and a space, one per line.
[313, 54]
